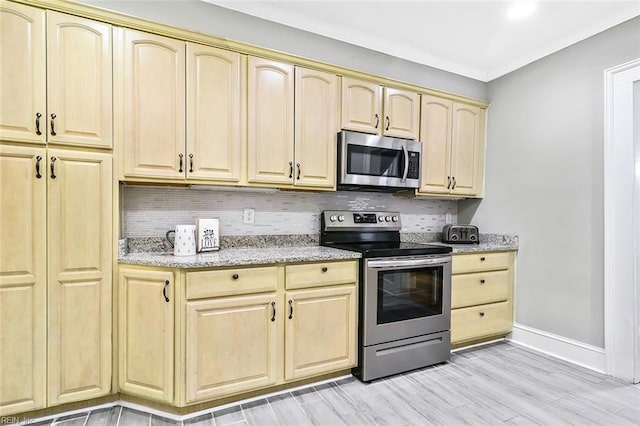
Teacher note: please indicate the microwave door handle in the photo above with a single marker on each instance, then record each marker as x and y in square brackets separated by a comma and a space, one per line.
[380, 264]
[406, 163]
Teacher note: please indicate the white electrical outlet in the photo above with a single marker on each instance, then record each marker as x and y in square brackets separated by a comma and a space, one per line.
[248, 216]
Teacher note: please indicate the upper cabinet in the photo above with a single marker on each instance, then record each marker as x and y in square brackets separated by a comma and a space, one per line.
[63, 96]
[281, 153]
[150, 104]
[215, 113]
[453, 140]
[170, 132]
[370, 108]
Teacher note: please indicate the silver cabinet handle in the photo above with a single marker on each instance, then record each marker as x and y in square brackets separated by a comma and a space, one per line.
[53, 129]
[379, 264]
[190, 163]
[38, 159]
[38, 116]
[180, 166]
[53, 170]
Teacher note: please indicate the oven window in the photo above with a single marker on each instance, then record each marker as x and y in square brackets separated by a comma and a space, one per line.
[409, 293]
[372, 161]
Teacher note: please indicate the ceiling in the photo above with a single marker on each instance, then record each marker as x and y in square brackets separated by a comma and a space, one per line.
[472, 38]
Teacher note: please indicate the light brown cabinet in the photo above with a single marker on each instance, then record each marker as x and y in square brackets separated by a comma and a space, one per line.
[187, 337]
[56, 257]
[23, 279]
[63, 96]
[146, 333]
[371, 108]
[452, 134]
[149, 76]
[281, 153]
[481, 296]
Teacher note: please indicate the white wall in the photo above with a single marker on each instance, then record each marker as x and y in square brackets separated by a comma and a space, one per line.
[544, 181]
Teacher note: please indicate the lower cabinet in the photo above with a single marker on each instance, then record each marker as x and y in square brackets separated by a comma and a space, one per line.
[231, 345]
[188, 337]
[146, 333]
[481, 296]
[320, 331]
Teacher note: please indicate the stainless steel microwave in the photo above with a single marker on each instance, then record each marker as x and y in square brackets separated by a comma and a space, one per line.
[377, 162]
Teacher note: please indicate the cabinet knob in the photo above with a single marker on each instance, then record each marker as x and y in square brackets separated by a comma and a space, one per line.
[482, 282]
[481, 314]
[482, 259]
[325, 269]
[235, 276]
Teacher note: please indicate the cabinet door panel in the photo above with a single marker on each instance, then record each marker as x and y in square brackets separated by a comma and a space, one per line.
[151, 72]
[214, 113]
[467, 149]
[23, 293]
[79, 83]
[22, 72]
[320, 336]
[435, 135]
[79, 288]
[231, 345]
[361, 106]
[146, 333]
[316, 128]
[270, 132]
[401, 113]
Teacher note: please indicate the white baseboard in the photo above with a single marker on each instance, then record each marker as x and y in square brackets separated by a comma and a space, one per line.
[583, 354]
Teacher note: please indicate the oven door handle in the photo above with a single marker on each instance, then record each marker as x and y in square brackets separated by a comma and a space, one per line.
[384, 264]
[406, 163]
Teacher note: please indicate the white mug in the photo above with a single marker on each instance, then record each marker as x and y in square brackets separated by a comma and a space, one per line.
[184, 243]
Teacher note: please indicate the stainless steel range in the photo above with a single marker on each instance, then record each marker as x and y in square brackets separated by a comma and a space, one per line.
[405, 293]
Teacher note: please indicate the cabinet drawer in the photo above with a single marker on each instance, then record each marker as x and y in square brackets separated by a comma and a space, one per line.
[231, 281]
[479, 321]
[321, 274]
[479, 288]
[476, 262]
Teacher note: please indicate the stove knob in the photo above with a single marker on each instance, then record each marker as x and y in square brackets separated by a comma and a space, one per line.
[340, 218]
[380, 218]
[388, 218]
[333, 218]
[394, 218]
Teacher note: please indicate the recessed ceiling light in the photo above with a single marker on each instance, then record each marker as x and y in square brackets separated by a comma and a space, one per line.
[521, 9]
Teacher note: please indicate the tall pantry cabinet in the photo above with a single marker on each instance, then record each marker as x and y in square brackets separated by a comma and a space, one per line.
[56, 208]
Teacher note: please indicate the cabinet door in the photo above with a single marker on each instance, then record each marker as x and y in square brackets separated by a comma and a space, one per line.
[79, 83]
[270, 131]
[79, 245]
[214, 113]
[231, 345]
[467, 163]
[401, 113]
[150, 104]
[316, 128]
[435, 135]
[22, 73]
[361, 106]
[320, 331]
[145, 333]
[23, 292]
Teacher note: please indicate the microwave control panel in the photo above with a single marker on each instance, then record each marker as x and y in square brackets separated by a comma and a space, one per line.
[414, 165]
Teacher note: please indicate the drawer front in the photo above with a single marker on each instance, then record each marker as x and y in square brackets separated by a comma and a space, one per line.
[321, 274]
[480, 321]
[231, 281]
[479, 288]
[476, 262]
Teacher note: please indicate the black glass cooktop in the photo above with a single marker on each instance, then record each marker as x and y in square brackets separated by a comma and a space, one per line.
[389, 249]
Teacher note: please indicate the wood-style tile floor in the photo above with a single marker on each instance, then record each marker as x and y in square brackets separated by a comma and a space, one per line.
[490, 385]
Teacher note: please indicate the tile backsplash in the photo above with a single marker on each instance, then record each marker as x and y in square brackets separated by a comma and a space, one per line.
[151, 211]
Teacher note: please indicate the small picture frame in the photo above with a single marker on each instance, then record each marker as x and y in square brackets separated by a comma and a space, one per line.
[208, 234]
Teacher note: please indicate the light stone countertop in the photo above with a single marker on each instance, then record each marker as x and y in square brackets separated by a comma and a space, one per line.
[239, 257]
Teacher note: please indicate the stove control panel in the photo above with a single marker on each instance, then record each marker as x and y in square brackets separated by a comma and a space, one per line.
[345, 220]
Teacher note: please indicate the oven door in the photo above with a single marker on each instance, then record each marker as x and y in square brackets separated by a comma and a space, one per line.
[367, 160]
[405, 297]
